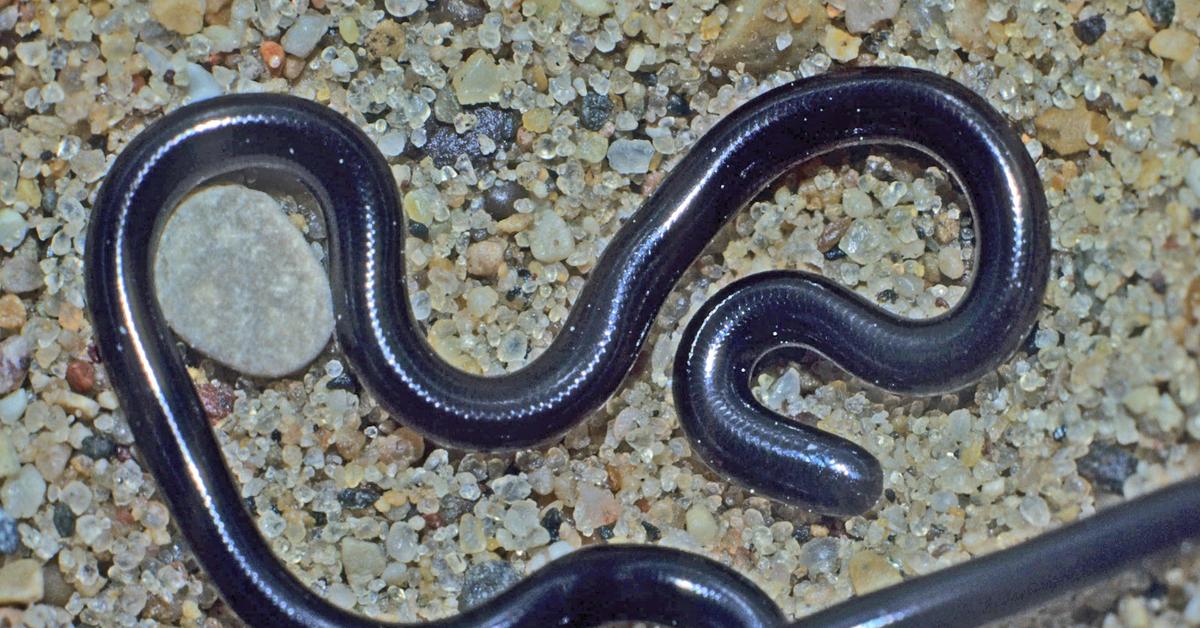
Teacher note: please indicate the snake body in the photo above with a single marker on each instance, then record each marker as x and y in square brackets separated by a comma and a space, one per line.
[599, 341]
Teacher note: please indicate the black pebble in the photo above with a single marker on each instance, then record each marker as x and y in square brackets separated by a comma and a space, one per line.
[97, 447]
[485, 581]
[1161, 12]
[64, 520]
[345, 381]
[1030, 344]
[834, 254]
[359, 498]
[454, 507]
[652, 532]
[802, 534]
[605, 532]
[1060, 433]
[1090, 30]
[551, 520]
[887, 296]
[594, 111]
[678, 105]
[418, 230]
[319, 518]
[498, 200]
[444, 144]
[1107, 466]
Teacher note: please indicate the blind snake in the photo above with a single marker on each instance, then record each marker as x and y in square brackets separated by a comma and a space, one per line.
[729, 430]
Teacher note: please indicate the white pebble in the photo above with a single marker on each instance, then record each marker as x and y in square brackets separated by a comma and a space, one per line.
[551, 239]
[23, 495]
[392, 143]
[701, 524]
[1034, 509]
[403, 8]
[857, 203]
[304, 35]
[12, 229]
[201, 85]
[950, 262]
[630, 156]
[861, 15]
[12, 406]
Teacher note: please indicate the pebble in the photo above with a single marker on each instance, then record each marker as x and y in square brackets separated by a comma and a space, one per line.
[840, 45]
[21, 273]
[819, 555]
[10, 538]
[595, 507]
[950, 262]
[480, 300]
[359, 498]
[185, 17]
[362, 560]
[870, 572]
[1090, 30]
[477, 80]
[81, 376]
[861, 15]
[14, 362]
[1107, 466]
[21, 582]
[484, 581]
[402, 542]
[12, 312]
[97, 447]
[1034, 509]
[484, 258]
[201, 85]
[64, 520]
[701, 524]
[1161, 12]
[12, 229]
[460, 13]
[12, 406]
[499, 198]
[444, 144]
[1066, 131]
[1170, 43]
[551, 239]
[304, 34]
[594, 111]
[236, 280]
[594, 8]
[23, 494]
[217, 400]
[403, 8]
[630, 156]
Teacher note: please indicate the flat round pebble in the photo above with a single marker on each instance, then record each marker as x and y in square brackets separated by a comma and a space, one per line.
[236, 280]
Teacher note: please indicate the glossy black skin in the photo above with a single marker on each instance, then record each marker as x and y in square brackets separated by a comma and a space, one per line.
[771, 311]
[588, 359]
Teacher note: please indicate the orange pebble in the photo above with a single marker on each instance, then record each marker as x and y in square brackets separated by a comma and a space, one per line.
[273, 57]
